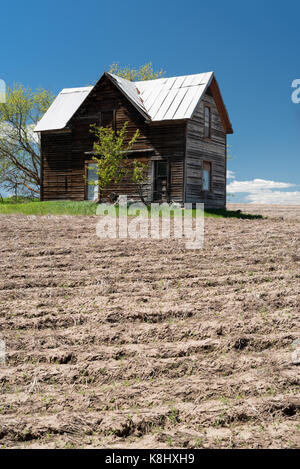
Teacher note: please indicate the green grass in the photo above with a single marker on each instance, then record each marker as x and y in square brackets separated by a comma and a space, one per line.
[17, 199]
[25, 206]
[55, 207]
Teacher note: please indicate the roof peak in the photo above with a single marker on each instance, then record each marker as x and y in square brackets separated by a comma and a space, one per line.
[80, 89]
[164, 98]
[158, 79]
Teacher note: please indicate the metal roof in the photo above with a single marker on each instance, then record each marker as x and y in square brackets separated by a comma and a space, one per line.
[157, 100]
[63, 108]
[173, 98]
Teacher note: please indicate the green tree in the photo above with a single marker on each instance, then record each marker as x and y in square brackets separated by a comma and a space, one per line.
[111, 150]
[143, 72]
[19, 145]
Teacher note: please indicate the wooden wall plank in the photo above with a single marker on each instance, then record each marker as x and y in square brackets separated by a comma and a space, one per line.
[199, 149]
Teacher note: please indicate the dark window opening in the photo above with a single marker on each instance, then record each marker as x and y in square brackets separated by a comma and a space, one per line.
[107, 119]
[207, 122]
[206, 176]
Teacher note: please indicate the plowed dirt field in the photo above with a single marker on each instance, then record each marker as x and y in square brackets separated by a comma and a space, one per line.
[143, 343]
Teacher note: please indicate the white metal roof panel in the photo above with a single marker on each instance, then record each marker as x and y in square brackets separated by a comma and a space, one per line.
[152, 96]
[199, 92]
[63, 108]
[184, 105]
[159, 103]
[173, 98]
[176, 103]
[170, 96]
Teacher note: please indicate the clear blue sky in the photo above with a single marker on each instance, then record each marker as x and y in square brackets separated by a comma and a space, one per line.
[253, 47]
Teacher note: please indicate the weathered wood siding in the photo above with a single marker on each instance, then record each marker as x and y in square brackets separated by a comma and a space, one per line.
[56, 165]
[64, 153]
[199, 149]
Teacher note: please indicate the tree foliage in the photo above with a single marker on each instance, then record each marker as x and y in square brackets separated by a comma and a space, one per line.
[143, 72]
[111, 150]
[19, 146]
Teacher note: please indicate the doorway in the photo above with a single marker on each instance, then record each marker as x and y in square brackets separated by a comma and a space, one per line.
[161, 181]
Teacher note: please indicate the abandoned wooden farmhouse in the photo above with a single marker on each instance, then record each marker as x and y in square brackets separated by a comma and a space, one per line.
[183, 127]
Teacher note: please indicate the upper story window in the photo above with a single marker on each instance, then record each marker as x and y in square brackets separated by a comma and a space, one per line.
[107, 119]
[207, 122]
[206, 176]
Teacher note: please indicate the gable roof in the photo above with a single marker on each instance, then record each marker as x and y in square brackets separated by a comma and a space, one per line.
[166, 98]
[157, 100]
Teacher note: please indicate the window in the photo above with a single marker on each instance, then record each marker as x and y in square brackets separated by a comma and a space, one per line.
[206, 176]
[107, 119]
[92, 191]
[207, 122]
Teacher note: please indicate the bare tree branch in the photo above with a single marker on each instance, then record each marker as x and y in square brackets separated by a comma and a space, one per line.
[19, 149]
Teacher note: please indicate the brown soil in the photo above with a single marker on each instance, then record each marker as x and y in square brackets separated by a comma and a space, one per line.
[136, 344]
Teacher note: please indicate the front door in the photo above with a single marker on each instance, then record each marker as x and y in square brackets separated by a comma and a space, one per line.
[91, 175]
[161, 181]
